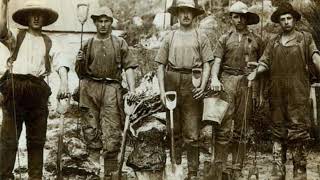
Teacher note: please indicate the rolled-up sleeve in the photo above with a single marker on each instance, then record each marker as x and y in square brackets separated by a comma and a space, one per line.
[127, 60]
[59, 57]
[163, 52]
[9, 41]
[206, 49]
[218, 51]
[265, 59]
[312, 46]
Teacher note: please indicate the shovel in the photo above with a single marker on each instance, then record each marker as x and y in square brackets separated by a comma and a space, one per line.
[62, 108]
[128, 109]
[171, 103]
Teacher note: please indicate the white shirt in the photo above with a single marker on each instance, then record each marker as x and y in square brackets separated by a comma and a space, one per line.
[30, 58]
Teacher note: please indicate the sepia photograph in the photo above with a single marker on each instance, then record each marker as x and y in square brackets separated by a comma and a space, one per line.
[160, 89]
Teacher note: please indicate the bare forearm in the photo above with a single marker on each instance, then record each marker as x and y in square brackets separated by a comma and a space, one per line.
[205, 74]
[3, 18]
[160, 74]
[131, 79]
[63, 74]
[215, 68]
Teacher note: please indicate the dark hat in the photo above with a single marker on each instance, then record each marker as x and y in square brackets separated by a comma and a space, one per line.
[185, 4]
[241, 8]
[31, 6]
[285, 8]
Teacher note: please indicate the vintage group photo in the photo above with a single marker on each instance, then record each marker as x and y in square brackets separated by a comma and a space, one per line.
[160, 90]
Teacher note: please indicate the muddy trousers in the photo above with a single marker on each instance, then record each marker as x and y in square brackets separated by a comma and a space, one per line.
[36, 125]
[219, 166]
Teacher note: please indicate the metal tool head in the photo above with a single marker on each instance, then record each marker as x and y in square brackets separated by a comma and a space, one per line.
[196, 76]
[82, 12]
[171, 99]
[63, 105]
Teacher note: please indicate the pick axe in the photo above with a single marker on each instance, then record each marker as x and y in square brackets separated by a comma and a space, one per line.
[129, 108]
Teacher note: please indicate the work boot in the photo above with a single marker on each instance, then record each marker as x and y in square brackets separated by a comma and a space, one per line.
[221, 156]
[238, 156]
[193, 160]
[35, 161]
[278, 171]
[299, 160]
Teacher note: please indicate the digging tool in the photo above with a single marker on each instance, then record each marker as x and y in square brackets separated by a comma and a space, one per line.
[171, 103]
[128, 109]
[62, 107]
[82, 14]
[176, 171]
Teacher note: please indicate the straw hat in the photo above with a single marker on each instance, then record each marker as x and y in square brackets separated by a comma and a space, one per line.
[241, 8]
[185, 4]
[31, 6]
[285, 8]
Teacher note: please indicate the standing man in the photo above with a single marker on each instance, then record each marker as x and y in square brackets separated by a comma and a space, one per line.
[236, 51]
[99, 66]
[32, 54]
[288, 57]
[180, 52]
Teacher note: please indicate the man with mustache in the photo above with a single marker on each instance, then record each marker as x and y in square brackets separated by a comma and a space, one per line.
[24, 87]
[180, 52]
[99, 66]
[235, 53]
[289, 57]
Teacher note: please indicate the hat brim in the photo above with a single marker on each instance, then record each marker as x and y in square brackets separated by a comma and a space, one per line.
[21, 15]
[251, 18]
[96, 16]
[276, 15]
[174, 10]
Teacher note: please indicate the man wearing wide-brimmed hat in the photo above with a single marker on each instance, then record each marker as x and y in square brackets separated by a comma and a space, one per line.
[235, 53]
[99, 66]
[180, 52]
[32, 55]
[289, 57]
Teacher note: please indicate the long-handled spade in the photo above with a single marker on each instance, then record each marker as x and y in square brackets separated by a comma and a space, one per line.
[128, 109]
[82, 14]
[171, 103]
[62, 108]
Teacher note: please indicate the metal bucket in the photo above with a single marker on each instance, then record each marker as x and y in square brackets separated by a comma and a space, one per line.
[214, 109]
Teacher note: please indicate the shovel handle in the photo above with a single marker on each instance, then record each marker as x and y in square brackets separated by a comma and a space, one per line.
[173, 153]
[123, 145]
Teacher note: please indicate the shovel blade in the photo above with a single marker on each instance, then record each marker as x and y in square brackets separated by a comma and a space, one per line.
[173, 172]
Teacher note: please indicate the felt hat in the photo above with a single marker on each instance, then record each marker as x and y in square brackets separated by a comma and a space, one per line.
[241, 8]
[285, 8]
[102, 11]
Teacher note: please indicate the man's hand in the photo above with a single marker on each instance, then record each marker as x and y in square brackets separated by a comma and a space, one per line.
[80, 56]
[131, 96]
[216, 85]
[252, 76]
[198, 92]
[163, 98]
[63, 92]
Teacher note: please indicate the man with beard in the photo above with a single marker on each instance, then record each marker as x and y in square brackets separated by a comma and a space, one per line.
[237, 50]
[99, 66]
[23, 87]
[288, 57]
[180, 52]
